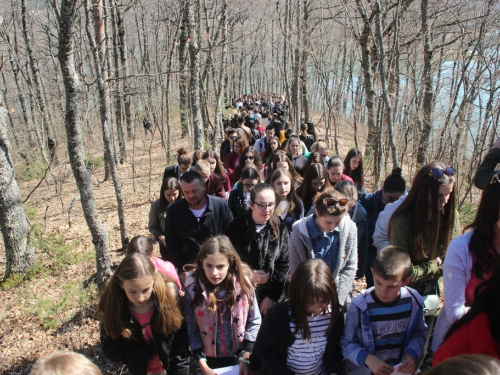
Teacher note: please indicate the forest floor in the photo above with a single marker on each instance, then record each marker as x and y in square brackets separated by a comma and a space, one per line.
[53, 309]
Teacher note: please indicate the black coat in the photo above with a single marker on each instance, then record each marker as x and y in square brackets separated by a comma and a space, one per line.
[256, 250]
[184, 235]
[237, 202]
[172, 350]
[275, 337]
[172, 171]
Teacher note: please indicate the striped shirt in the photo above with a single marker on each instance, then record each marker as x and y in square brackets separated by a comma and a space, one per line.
[304, 356]
[390, 322]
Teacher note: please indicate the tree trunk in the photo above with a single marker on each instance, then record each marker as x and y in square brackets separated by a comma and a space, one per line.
[122, 45]
[75, 142]
[20, 256]
[383, 80]
[423, 144]
[194, 81]
[219, 83]
[105, 108]
[51, 141]
[118, 86]
[373, 140]
[183, 81]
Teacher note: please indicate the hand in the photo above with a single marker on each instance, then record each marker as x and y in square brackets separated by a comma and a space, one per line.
[265, 305]
[244, 370]
[497, 143]
[261, 277]
[408, 365]
[161, 239]
[439, 261]
[205, 369]
[377, 366]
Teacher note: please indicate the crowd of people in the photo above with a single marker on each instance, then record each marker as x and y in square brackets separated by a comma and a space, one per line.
[260, 246]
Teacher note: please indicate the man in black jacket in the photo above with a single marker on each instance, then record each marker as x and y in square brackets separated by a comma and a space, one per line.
[190, 221]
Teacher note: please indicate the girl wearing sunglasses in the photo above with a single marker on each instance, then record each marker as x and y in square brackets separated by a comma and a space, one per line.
[331, 235]
[239, 198]
[261, 240]
[470, 259]
[423, 225]
[249, 156]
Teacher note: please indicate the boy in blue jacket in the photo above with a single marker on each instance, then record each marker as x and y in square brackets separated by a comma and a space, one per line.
[385, 324]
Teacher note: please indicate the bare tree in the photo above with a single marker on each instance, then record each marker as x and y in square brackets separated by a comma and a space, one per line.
[75, 141]
[13, 221]
[105, 106]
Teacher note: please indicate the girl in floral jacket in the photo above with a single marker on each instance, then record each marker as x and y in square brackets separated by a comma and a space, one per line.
[222, 313]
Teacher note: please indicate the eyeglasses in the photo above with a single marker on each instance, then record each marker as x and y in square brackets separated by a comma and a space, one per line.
[249, 186]
[233, 137]
[330, 202]
[439, 173]
[496, 177]
[263, 206]
[248, 157]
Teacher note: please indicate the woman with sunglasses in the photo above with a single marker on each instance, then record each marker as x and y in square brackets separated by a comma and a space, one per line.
[248, 156]
[423, 225]
[261, 239]
[469, 260]
[239, 198]
[331, 235]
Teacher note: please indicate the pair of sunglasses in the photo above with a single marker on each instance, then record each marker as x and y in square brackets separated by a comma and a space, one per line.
[439, 173]
[330, 202]
[248, 158]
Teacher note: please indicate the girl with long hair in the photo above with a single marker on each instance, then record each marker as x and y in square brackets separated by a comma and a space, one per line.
[281, 160]
[335, 168]
[233, 159]
[141, 322]
[424, 223]
[170, 192]
[289, 207]
[261, 239]
[353, 167]
[273, 145]
[221, 308]
[302, 334]
[423, 226]
[217, 167]
[248, 156]
[469, 260]
[294, 151]
[315, 181]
